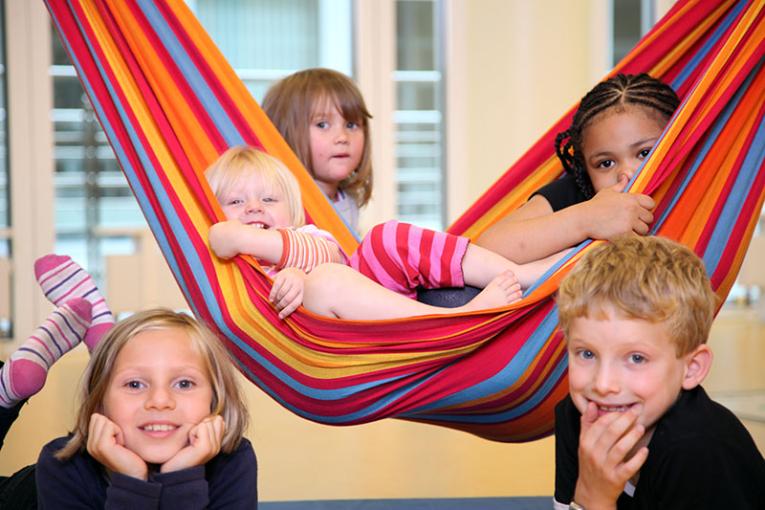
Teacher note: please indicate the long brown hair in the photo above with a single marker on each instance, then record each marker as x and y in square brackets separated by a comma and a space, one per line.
[291, 103]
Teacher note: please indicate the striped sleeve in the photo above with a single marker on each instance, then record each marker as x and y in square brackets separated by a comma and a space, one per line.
[304, 251]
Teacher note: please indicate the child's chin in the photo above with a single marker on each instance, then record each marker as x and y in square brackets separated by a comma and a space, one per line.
[158, 457]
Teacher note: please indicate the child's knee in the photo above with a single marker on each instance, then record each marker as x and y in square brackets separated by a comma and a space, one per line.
[378, 230]
[322, 285]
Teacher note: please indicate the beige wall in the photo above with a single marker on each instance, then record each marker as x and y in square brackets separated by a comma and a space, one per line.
[525, 63]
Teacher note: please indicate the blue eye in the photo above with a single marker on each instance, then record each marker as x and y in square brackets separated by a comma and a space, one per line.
[322, 125]
[637, 359]
[269, 199]
[134, 385]
[352, 125]
[585, 354]
[234, 201]
[186, 384]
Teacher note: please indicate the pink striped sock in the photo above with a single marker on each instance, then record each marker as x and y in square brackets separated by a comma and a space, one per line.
[62, 279]
[24, 373]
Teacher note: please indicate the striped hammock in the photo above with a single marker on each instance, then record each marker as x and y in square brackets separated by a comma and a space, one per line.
[170, 104]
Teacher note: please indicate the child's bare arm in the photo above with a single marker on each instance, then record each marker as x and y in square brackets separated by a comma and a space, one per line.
[534, 231]
[605, 466]
[231, 238]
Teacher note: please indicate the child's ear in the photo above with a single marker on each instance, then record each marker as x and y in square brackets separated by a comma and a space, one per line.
[697, 365]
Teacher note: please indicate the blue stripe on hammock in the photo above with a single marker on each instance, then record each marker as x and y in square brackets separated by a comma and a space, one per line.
[709, 140]
[509, 375]
[515, 412]
[212, 106]
[733, 205]
[709, 45]
[515, 369]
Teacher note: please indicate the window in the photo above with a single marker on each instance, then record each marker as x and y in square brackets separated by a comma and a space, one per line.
[418, 117]
[631, 20]
[265, 40]
[95, 209]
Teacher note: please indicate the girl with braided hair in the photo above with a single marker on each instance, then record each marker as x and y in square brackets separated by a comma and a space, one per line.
[613, 131]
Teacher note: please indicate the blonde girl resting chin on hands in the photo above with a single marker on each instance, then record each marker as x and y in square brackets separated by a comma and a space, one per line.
[160, 425]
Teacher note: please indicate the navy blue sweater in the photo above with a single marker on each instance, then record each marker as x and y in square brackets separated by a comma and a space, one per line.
[226, 481]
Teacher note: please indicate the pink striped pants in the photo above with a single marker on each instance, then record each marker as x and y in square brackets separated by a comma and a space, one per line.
[402, 257]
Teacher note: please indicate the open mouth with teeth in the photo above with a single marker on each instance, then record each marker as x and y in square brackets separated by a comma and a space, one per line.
[613, 409]
[604, 409]
[258, 224]
[158, 428]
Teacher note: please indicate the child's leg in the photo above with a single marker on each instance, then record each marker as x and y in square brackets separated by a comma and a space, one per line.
[339, 291]
[401, 257]
[480, 266]
[62, 279]
[24, 373]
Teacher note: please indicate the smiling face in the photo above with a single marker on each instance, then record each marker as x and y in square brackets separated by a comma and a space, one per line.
[337, 146]
[618, 363]
[256, 200]
[159, 389]
[617, 141]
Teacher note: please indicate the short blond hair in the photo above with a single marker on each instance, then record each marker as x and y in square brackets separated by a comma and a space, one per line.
[647, 278]
[227, 398]
[244, 162]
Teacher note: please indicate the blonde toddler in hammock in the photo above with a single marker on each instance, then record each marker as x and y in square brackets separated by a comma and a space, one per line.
[261, 201]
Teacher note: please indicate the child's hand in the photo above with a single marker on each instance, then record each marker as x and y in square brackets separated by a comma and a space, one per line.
[612, 213]
[604, 444]
[287, 292]
[204, 443]
[107, 446]
[224, 239]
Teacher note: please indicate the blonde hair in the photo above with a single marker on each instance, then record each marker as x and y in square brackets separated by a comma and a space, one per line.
[243, 162]
[647, 278]
[291, 104]
[227, 398]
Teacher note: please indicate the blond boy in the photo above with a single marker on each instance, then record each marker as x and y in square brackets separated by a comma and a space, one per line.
[637, 430]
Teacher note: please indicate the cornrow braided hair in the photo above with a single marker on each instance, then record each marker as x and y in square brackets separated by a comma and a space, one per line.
[618, 91]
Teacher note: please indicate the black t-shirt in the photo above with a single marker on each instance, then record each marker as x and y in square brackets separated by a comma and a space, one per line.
[700, 456]
[561, 193]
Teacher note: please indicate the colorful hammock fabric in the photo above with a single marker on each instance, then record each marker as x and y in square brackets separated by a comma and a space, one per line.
[169, 104]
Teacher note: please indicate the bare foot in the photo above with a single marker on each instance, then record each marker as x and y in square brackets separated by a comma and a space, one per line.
[501, 291]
